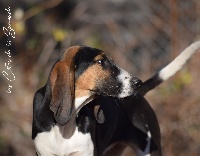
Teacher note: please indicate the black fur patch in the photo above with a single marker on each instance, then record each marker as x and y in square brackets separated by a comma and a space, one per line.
[84, 58]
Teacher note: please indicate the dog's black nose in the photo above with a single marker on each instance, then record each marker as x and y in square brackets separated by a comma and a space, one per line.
[137, 83]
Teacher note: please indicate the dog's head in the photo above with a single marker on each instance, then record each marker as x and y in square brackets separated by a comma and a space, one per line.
[84, 71]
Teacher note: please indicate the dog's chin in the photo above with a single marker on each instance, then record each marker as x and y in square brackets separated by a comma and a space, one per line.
[107, 94]
[130, 96]
[126, 93]
[119, 96]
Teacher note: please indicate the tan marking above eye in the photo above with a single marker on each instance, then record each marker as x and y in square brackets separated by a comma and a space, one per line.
[99, 57]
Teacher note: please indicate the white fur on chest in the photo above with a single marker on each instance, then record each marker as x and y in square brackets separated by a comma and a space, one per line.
[52, 143]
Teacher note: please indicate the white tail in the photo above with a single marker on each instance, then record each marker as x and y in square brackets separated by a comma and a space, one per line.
[179, 61]
[170, 69]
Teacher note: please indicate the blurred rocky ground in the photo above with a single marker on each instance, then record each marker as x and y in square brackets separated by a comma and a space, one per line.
[141, 36]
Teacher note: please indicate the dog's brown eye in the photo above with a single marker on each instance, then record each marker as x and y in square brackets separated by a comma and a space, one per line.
[100, 62]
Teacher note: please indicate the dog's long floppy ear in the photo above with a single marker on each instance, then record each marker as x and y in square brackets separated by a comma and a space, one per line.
[62, 86]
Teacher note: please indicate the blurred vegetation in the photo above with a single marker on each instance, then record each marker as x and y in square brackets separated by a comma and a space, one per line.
[141, 37]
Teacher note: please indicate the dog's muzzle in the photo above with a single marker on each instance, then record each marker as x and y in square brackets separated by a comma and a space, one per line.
[121, 84]
[130, 85]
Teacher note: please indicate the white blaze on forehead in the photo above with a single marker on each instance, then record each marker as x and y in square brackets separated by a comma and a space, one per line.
[125, 78]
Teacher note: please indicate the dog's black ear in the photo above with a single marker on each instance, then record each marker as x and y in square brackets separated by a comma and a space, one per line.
[62, 86]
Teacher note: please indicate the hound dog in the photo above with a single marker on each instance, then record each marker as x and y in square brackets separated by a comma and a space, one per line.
[83, 109]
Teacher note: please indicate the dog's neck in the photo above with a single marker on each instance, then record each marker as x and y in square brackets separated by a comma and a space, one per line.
[68, 130]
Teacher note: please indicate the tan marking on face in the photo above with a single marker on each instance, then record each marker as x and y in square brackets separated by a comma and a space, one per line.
[91, 78]
[81, 93]
[99, 57]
